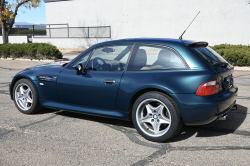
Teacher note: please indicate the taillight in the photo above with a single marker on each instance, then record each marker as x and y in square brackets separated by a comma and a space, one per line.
[208, 88]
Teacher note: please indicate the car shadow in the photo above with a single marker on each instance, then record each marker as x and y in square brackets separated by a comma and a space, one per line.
[46, 111]
[216, 128]
[104, 120]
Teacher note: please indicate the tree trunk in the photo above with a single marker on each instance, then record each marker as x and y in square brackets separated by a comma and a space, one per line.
[5, 34]
[3, 21]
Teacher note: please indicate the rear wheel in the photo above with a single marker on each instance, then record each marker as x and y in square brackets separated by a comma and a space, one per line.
[156, 116]
[25, 97]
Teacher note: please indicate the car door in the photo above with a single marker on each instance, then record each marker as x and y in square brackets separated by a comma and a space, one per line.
[98, 84]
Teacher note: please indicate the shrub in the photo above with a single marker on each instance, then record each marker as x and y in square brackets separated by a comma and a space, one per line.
[235, 54]
[15, 49]
[30, 32]
[30, 51]
[5, 50]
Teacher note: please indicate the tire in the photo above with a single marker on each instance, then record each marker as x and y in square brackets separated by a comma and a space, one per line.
[156, 116]
[25, 97]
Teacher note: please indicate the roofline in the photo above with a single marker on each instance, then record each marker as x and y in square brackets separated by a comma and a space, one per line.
[142, 40]
[46, 1]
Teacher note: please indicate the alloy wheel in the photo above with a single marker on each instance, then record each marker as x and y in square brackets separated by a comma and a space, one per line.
[153, 117]
[23, 97]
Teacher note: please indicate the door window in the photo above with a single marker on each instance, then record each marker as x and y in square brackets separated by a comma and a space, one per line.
[110, 58]
[156, 58]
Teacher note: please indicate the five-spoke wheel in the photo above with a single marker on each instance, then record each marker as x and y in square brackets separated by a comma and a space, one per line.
[156, 116]
[153, 117]
[25, 97]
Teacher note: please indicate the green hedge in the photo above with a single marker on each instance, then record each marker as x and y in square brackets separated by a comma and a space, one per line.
[30, 32]
[237, 55]
[30, 51]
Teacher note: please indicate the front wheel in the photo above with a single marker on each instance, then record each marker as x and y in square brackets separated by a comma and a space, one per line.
[25, 97]
[156, 116]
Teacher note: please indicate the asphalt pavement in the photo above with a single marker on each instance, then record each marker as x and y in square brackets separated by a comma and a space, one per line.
[56, 137]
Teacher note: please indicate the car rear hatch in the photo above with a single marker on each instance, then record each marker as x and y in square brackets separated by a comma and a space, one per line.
[224, 70]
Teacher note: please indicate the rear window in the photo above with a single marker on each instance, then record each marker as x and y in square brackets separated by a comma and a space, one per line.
[156, 58]
[210, 55]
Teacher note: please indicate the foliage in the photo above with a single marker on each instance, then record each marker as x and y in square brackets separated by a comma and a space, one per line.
[30, 51]
[237, 55]
[8, 13]
[30, 32]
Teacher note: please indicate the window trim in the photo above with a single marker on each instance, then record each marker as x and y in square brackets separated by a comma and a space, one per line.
[130, 64]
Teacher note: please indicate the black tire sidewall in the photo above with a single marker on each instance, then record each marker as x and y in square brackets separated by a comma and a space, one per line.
[35, 105]
[173, 109]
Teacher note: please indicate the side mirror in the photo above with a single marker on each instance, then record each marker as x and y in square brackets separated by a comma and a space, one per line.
[79, 68]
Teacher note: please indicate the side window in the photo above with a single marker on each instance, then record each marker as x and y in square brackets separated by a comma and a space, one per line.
[110, 58]
[156, 58]
[82, 60]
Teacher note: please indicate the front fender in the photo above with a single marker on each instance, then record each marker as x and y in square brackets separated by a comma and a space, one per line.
[32, 73]
[21, 75]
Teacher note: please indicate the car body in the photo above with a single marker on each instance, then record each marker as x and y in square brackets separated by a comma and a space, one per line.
[94, 83]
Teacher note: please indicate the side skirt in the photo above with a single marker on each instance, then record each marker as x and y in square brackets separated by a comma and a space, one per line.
[87, 110]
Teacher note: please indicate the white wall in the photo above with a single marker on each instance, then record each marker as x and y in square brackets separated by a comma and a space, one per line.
[68, 42]
[15, 39]
[220, 21]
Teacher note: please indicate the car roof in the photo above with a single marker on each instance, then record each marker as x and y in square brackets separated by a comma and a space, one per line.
[147, 40]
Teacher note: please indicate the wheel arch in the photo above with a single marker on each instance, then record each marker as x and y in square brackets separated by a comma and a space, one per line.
[14, 82]
[142, 91]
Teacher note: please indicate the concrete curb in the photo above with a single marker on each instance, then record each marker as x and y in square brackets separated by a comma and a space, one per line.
[71, 52]
[245, 68]
[34, 60]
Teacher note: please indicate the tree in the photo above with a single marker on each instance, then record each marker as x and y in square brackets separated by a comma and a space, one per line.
[94, 35]
[8, 13]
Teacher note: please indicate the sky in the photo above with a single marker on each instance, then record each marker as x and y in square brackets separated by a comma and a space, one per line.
[34, 15]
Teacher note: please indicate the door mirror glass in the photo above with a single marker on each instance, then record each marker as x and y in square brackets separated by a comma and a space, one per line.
[79, 68]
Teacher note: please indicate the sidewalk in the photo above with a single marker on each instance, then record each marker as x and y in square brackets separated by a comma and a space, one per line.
[237, 68]
[70, 55]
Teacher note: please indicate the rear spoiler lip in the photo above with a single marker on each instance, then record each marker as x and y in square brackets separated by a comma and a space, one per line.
[198, 44]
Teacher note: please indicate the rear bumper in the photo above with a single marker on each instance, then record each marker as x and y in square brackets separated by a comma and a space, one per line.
[200, 110]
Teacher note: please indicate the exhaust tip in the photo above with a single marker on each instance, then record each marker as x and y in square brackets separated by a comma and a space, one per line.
[223, 117]
[234, 107]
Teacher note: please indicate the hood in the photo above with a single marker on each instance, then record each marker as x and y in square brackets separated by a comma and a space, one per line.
[53, 65]
[51, 69]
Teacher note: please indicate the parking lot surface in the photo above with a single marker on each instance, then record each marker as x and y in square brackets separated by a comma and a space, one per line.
[56, 137]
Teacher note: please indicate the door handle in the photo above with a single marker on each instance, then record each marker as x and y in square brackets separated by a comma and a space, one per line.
[109, 81]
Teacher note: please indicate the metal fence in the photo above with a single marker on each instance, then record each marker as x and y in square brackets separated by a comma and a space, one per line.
[60, 31]
[27, 30]
[78, 32]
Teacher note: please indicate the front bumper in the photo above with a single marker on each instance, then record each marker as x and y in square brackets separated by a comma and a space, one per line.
[200, 110]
